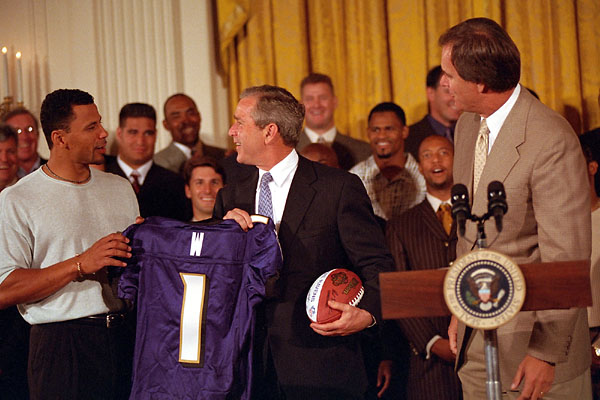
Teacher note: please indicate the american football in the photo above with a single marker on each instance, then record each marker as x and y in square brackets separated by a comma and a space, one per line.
[338, 284]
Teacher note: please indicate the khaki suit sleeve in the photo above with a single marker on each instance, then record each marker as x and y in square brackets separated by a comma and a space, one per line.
[560, 199]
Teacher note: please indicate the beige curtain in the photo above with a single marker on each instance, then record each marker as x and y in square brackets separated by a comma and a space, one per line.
[378, 50]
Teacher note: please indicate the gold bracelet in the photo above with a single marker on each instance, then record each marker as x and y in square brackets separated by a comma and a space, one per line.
[79, 271]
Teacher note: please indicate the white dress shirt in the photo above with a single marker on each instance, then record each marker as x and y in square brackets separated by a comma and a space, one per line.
[328, 136]
[184, 149]
[283, 174]
[496, 120]
[435, 202]
[142, 171]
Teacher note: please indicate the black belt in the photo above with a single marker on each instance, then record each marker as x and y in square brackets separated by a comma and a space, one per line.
[111, 320]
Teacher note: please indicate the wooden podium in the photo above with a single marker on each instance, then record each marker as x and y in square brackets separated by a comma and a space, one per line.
[557, 285]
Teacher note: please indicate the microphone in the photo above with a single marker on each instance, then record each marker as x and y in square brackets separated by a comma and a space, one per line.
[497, 206]
[461, 209]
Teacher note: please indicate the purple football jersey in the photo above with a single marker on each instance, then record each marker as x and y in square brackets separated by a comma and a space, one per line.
[196, 288]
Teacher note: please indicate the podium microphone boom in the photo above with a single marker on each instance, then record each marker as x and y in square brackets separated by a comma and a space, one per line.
[460, 206]
[497, 205]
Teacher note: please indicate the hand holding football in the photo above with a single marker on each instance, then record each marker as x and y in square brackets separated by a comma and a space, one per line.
[340, 285]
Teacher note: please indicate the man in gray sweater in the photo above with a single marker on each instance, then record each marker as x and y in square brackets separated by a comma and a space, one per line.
[59, 234]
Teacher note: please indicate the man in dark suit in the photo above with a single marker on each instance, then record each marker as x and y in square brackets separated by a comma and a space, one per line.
[506, 134]
[320, 102]
[324, 221]
[594, 135]
[14, 331]
[158, 190]
[183, 119]
[425, 238]
[26, 125]
[442, 115]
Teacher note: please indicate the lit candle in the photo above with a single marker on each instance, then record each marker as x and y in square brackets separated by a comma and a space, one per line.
[19, 78]
[5, 56]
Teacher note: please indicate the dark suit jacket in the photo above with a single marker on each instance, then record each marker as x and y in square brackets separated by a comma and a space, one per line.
[327, 223]
[418, 241]
[416, 133]
[162, 193]
[349, 151]
[234, 171]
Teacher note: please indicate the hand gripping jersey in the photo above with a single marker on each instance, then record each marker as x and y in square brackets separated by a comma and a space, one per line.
[196, 288]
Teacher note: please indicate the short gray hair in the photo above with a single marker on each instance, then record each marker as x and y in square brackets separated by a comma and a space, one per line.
[278, 106]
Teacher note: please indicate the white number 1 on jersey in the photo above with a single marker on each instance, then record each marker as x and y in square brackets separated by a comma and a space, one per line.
[192, 307]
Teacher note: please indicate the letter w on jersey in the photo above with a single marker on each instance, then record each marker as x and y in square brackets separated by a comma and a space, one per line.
[196, 245]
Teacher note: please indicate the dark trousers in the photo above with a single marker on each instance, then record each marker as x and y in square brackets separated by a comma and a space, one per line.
[14, 345]
[266, 385]
[80, 359]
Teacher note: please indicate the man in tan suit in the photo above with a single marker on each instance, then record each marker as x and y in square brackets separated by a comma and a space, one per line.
[507, 135]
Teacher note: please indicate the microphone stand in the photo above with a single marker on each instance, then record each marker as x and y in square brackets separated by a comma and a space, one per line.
[490, 338]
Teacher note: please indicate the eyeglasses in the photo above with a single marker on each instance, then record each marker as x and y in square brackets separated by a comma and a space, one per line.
[29, 129]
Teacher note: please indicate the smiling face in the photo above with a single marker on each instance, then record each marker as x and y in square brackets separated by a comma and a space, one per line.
[85, 140]
[248, 138]
[436, 155]
[28, 136]
[136, 140]
[386, 134]
[182, 119]
[8, 162]
[320, 104]
[202, 189]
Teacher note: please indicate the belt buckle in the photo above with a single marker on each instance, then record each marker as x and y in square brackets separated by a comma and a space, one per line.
[113, 319]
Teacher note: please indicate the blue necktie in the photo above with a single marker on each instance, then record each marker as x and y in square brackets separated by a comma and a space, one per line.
[265, 204]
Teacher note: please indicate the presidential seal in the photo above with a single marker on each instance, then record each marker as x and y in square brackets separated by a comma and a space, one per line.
[484, 289]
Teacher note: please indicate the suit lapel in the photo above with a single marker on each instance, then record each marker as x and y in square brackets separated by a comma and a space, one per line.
[299, 197]
[504, 154]
[245, 192]
[466, 136]
[431, 221]
[303, 140]
[150, 179]
[112, 166]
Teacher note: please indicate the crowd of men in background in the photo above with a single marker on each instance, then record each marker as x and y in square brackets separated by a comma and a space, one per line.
[407, 174]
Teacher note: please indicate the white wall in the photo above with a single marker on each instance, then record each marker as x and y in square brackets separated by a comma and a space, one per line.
[120, 51]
